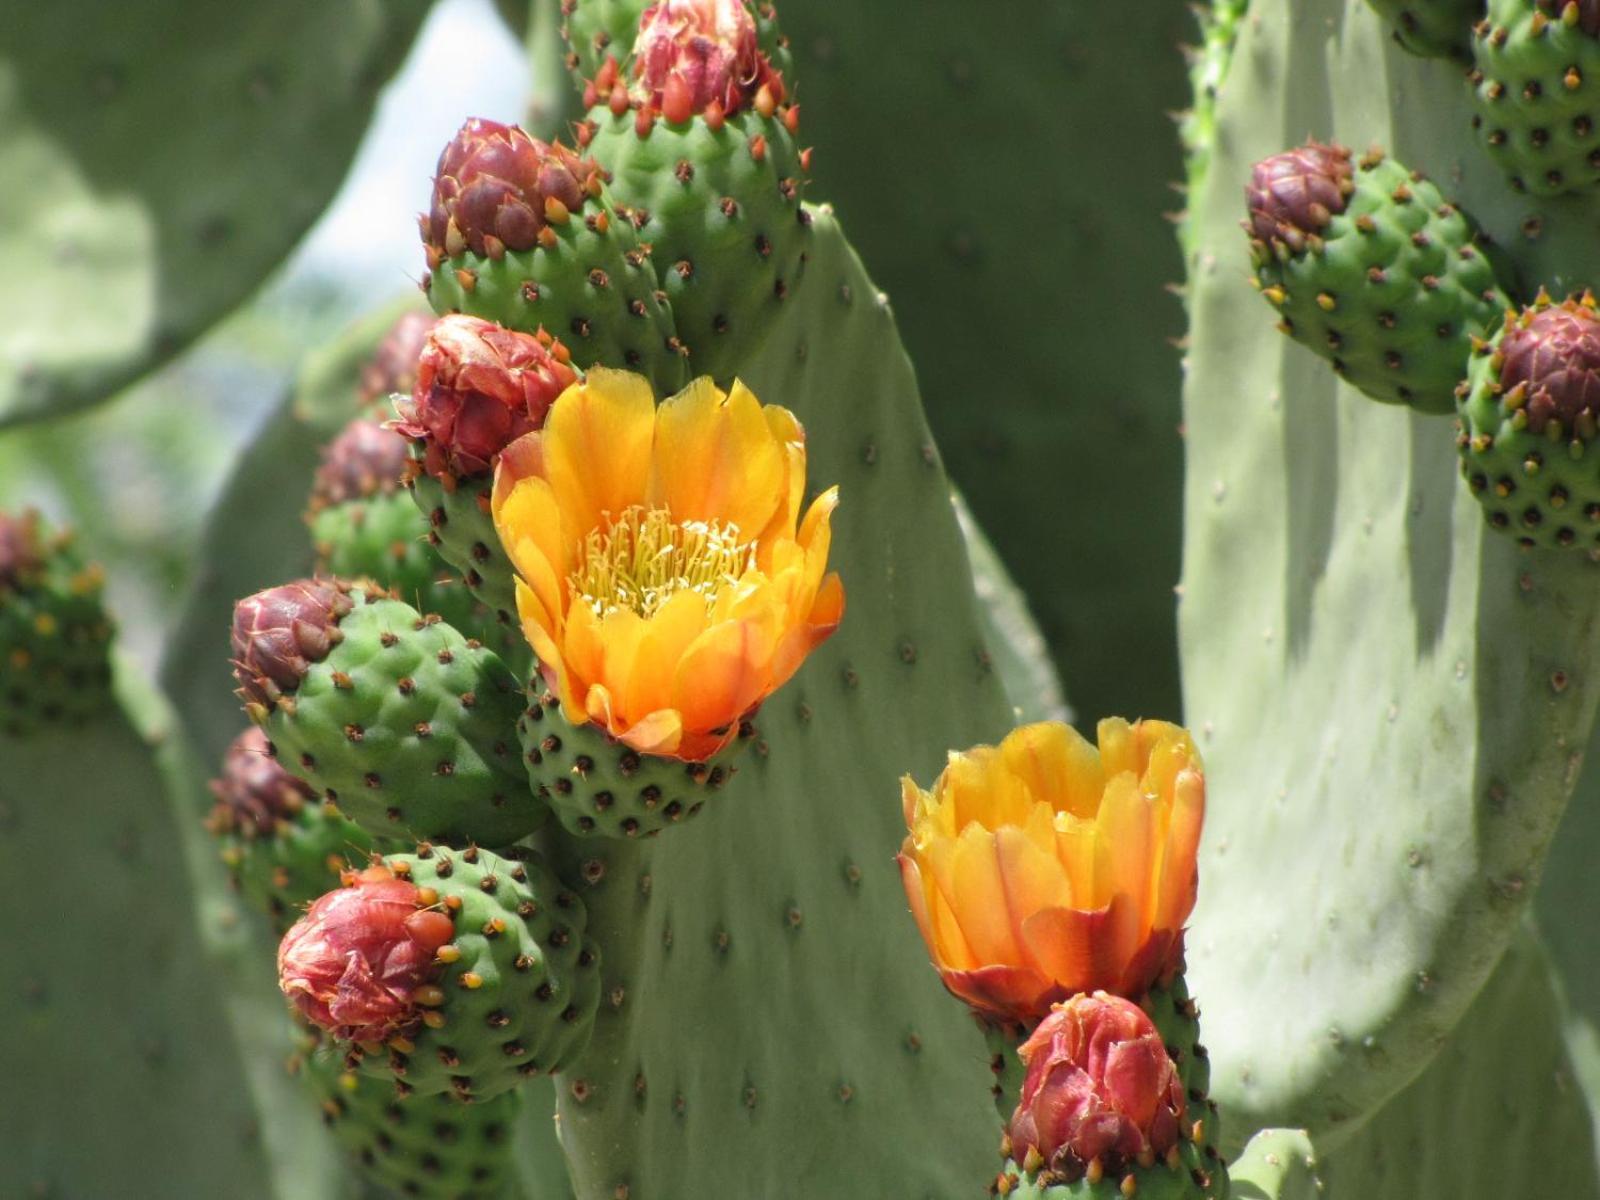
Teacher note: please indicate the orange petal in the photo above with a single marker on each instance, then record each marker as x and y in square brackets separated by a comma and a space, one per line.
[716, 458]
[658, 733]
[1082, 951]
[522, 459]
[538, 627]
[1175, 887]
[1031, 879]
[979, 899]
[722, 675]
[916, 896]
[1056, 765]
[911, 800]
[528, 520]
[597, 447]
[1127, 829]
[792, 440]
[667, 636]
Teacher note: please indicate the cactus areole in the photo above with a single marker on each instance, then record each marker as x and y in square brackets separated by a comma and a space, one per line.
[353, 965]
[479, 387]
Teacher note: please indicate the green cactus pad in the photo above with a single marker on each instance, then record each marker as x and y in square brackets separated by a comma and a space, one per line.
[1392, 292]
[1194, 1177]
[461, 530]
[520, 997]
[55, 635]
[1277, 1164]
[1536, 95]
[1177, 1017]
[728, 235]
[1432, 28]
[407, 726]
[598, 787]
[596, 30]
[428, 1147]
[591, 286]
[1541, 487]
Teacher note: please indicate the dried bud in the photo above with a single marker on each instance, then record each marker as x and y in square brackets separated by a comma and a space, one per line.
[254, 793]
[1099, 1086]
[1296, 193]
[364, 460]
[1555, 351]
[352, 964]
[280, 632]
[494, 181]
[693, 53]
[479, 388]
[21, 550]
[393, 366]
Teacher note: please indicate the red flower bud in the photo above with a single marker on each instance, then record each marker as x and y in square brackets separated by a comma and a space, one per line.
[695, 53]
[493, 181]
[1296, 193]
[21, 552]
[365, 459]
[254, 792]
[1554, 351]
[393, 366]
[353, 963]
[280, 632]
[1099, 1085]
[479, 388]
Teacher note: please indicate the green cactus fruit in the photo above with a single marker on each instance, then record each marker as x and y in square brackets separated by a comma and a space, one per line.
[1536, 68]
[1103, 1111]
[1528, 424]
[479, 387]
[1433, 28]
[55, 636]
[455, 973]
[1372, 269]
[283, 848]
[601, 788]
[364, 525]
[523, 232]
[394, 716]
[392, 368]
[430, 1147]
[699, 134]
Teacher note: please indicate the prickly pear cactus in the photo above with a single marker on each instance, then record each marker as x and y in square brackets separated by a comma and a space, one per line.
[1400, 700]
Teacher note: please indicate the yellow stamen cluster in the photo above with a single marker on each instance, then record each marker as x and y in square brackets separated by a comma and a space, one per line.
[643, 558]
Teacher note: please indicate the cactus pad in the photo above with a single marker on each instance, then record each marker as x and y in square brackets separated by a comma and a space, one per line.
[1433, 28]
[397, 718]
[55, 636]
[1371, 269]
[1535, 80]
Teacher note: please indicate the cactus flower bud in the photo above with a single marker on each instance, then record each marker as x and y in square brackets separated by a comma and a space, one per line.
[496, 186]
[21, 557]
[1295, 194]
[692, 54]
[1045, 866]
[364, 460]
[1099, 1088]
[278, 633]
[479, 388]
[393, 366]
[1553, 353]
[254, 792]
[353, 965]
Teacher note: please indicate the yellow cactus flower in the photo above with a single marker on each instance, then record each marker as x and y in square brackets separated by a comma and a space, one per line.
[1044, 866]
[668, 582]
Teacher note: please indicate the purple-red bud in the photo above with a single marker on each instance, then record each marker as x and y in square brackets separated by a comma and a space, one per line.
[1553, 353]
[1295, 194]
[480, 386]
[1099, 1086]
[353, 964]
[692, 54]
[493, 185]
[21, 549]
[393, 366]
[365, 459]
[254, 793]
[280, 632]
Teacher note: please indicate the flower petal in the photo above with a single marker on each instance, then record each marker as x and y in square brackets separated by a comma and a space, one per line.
[722, 675]
[597, 447]
[716, 458]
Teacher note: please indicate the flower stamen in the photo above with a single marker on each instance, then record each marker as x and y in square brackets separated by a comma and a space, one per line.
[643, 558]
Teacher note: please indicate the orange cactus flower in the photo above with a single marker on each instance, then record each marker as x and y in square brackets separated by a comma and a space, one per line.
[668, 581]
[1044, 866]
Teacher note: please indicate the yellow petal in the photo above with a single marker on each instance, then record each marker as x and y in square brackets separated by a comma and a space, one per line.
[979, 899]
[1056, 765]
[1118, 750]
[597, 447]
[722, 675]
[1175, 892]
[1031, 879]
[1127, 830]
[716, 458]
[538, 627]
[667, 636]
[528, 520]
